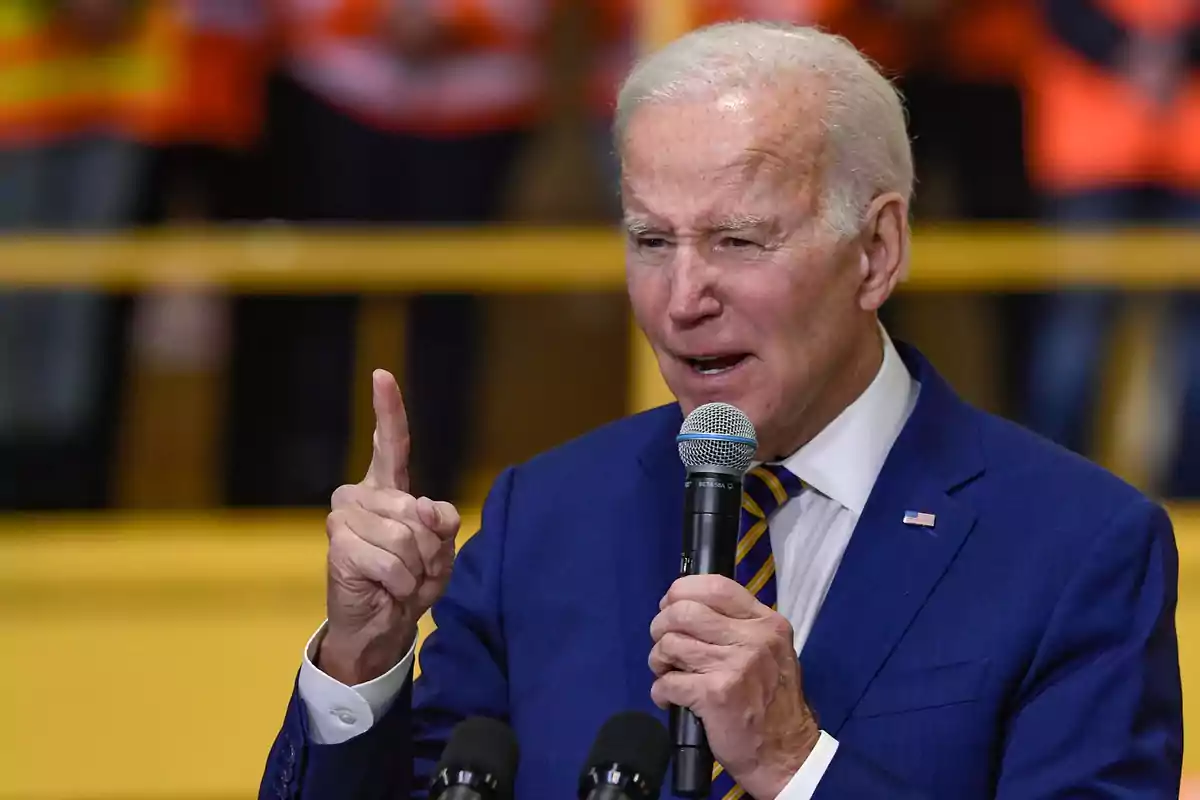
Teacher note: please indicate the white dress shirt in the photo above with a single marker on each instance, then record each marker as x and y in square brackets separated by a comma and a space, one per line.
[809, 534]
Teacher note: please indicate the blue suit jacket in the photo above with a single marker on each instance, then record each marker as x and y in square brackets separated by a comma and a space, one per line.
[1023, 648]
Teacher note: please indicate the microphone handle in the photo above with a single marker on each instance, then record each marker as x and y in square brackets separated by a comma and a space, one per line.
[712, 513]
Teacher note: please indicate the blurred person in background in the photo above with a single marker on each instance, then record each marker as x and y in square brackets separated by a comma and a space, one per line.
[385, 112]
[74, 75]
[114, 113]
[1114, 140]
[869, 24]
[962, 90]
[203, 161]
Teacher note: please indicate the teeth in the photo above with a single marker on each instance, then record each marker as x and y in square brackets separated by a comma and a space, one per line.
[718, 364]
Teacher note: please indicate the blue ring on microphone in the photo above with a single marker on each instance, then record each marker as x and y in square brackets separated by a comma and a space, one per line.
[714, 437]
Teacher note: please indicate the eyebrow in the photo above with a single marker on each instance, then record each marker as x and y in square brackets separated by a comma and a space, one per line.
[637, 226]
[739, 223]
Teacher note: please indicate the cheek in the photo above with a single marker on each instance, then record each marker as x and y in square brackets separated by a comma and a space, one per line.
[648, 294]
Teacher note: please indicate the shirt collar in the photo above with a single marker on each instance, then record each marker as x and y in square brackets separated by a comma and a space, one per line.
[843, 461]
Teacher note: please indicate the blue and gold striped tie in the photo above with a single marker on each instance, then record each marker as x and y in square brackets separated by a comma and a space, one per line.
[765, 489]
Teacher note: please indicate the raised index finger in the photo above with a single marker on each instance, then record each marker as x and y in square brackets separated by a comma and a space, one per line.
[389, 454]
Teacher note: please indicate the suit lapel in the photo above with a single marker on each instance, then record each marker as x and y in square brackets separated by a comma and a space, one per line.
[648, 551]
[890, 568]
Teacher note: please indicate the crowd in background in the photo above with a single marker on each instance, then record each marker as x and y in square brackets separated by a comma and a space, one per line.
[127, 113]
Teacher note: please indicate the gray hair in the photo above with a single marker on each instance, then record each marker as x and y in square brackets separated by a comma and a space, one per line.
[866, 149]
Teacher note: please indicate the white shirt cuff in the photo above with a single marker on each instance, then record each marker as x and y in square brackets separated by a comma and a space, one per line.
[803, 784]
[337, 712]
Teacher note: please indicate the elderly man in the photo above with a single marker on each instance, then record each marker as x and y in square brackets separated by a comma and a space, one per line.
[964, 610]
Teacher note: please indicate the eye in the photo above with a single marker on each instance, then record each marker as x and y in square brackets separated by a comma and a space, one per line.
[651, 242]
[737, 243]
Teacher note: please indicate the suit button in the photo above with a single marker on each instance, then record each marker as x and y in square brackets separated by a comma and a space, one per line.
[344, 715]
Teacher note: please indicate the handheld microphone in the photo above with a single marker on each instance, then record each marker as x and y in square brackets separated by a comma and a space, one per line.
[717, 443]
[479, 762]
[628, 760]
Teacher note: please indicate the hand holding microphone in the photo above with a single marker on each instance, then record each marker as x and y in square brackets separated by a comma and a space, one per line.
[390, 553]
[725, 663]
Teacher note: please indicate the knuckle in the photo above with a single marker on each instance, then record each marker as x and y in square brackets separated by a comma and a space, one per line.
[674, 645]
[722, 688]
[780, 630]
[399, 576]
[402, 504]
[344, 496]
[337, 527]
[659, 693]
[667, 646]
[395, 533]
[688, 613]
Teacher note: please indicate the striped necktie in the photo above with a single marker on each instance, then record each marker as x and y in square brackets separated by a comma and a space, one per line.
[765, 489]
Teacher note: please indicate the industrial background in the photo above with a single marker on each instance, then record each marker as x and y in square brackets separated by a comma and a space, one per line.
[217, 216]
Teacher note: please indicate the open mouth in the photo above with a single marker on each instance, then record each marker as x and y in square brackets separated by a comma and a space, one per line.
[715, 365]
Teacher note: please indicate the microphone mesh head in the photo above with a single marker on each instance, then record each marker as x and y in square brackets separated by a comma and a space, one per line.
[717, 435]
[486, 746]
[636, 742]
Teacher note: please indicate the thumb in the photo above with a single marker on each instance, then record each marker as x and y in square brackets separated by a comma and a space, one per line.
[439, 516]
[391, 441]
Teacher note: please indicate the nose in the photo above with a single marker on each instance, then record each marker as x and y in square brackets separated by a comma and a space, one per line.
[693, 290]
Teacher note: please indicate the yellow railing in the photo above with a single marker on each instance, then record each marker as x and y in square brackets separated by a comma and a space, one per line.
[279, 258]
[483, 260]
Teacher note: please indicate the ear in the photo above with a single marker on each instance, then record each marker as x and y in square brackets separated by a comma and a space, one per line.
[884, 255]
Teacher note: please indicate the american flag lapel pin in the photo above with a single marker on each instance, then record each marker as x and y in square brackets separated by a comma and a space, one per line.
[921, 518]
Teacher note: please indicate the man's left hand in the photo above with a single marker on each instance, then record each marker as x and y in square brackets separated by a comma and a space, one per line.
[730, 659]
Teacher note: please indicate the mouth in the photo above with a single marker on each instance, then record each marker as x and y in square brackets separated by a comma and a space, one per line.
[715, 365]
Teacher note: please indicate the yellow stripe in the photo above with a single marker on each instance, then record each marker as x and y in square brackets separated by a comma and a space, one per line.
[717, 770]
[767, 477]
[750, 539]
[735, 793]
[81, 78]
[751, 506]
[768, 569]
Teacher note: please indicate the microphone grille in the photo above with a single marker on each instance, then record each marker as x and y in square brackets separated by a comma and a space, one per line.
[634, 741]
[717, 435]
[483, 745]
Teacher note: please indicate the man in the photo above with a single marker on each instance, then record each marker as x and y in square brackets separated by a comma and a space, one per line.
[977, 612]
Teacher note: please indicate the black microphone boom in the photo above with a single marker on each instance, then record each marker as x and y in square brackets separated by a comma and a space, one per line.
[628, 760]
[716, 444]
[479, 762]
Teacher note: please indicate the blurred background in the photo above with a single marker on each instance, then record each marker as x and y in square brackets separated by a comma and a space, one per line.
[217, 216]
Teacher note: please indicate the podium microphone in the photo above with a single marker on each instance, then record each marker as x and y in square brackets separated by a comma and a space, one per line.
[479, 762]
[717, 443]
[628, 760]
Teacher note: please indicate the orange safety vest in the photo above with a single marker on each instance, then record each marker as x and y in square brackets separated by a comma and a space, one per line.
[1089, 128]
[494, 79]
[221, 54]
[990, 41]
[617, 48]
[53, 85]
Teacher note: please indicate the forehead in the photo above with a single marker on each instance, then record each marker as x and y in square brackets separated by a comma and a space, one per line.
[739, 152]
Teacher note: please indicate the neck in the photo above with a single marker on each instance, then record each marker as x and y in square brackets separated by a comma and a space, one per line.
[856, 373]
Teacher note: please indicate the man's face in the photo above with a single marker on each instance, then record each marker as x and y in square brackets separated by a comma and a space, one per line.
[744, 295]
